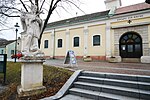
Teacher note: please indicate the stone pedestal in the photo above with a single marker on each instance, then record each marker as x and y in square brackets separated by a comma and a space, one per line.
[114, 59]
[145, 59]
[87, 59]
[31, 78]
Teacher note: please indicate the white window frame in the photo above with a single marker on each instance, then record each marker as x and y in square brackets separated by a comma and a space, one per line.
[62, 43]
[100, 40]
[47, 45]
[73, 41]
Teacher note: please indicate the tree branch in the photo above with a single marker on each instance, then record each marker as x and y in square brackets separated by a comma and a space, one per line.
[65, 9]
[51, 9]
[42, 5]
[6, 29]
[31, 2]
[4, 24]
[4, 7]
[24, 5]
[37, 4]
[57, 13]
[8, 15]
[47, 18]
[75, 5]
[55, 5]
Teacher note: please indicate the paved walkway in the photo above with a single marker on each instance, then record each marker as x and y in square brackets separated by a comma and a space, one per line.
[123, 68]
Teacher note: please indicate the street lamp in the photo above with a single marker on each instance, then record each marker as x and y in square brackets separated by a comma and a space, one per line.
[16, 26]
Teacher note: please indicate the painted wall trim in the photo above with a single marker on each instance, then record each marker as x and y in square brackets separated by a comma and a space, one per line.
[130, 25]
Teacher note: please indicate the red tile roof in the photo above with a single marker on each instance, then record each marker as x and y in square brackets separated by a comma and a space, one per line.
[131, 8]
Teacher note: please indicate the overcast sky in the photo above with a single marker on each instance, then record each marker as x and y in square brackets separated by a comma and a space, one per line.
[88, 6]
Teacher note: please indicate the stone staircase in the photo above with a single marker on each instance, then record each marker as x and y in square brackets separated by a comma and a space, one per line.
[108, 86]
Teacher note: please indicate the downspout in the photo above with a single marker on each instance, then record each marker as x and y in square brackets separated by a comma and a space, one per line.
[54, 45]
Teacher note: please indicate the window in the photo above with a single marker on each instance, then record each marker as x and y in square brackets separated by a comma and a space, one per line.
[12, 51]
[130, 38]
[76, 42]
[46, 44]
[130, 48]
[2, 51]
[59, 43]
[96, 40]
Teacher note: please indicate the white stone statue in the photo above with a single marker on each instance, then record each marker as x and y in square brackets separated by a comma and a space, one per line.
[32, 25]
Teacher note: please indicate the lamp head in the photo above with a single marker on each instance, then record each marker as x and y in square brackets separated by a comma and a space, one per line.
[16, 25]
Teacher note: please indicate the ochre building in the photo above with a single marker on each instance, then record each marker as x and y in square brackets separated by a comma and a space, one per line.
[117, 34]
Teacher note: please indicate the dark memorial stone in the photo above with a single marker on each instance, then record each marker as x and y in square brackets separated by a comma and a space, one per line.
[3, 61]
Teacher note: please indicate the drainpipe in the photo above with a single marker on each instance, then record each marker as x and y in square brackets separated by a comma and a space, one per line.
[54, 45]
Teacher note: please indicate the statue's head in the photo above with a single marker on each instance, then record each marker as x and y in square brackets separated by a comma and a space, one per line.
[33, 8]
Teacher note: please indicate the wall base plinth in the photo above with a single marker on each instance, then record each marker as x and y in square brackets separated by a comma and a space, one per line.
[114, 59]
[145, 59]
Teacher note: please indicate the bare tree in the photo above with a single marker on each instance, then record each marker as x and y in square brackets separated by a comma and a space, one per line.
[10, 8]
[6, 7]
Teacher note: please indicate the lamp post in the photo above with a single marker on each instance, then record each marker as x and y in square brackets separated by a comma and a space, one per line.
[16, 26]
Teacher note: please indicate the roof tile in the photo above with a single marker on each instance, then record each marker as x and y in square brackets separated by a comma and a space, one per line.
[131, 8]
[78, 19]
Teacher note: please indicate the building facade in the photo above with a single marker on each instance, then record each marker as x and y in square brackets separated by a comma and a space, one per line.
[119, 32]
[8, 47]
[3, 43]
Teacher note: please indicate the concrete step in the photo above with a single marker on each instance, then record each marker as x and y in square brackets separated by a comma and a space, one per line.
[113, 90]
[105, 86]
[98, 95]
[115, 82]
[74, 97]
[131, 60]
[139, 78]
[84, 93]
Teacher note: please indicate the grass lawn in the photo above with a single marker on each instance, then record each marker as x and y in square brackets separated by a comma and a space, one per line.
[54, 78]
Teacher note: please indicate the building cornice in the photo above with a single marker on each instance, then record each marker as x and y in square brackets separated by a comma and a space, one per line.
[130, 14]
[130, 25]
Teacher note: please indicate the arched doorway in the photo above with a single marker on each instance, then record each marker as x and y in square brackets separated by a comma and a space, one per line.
[130, 45]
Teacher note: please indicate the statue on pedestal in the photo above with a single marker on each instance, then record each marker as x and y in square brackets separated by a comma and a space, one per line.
[33, 58]
[32, 25]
